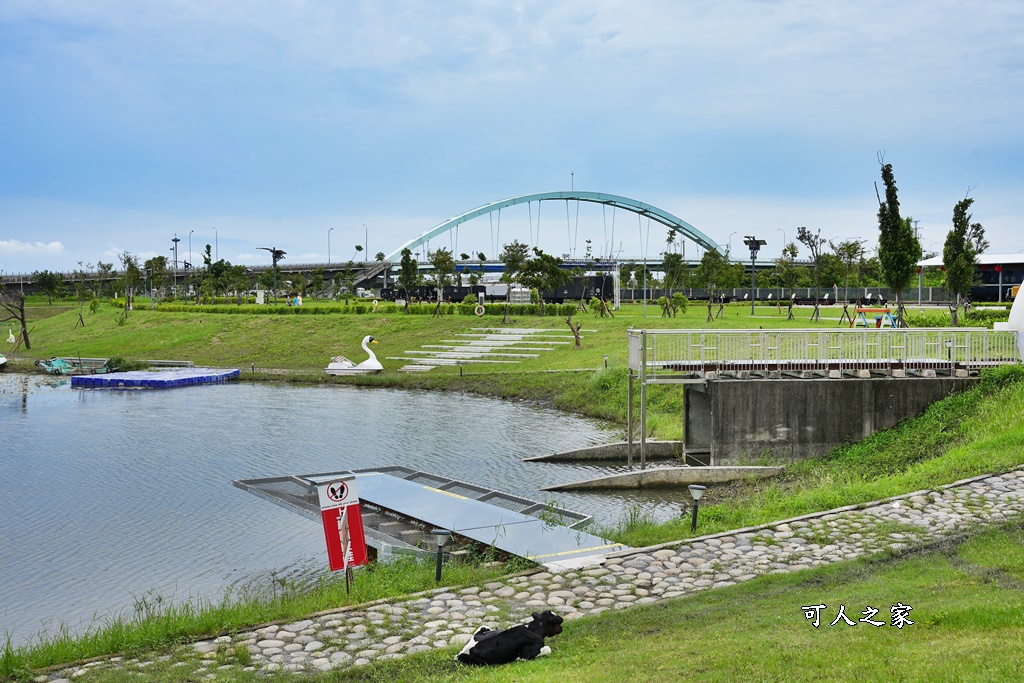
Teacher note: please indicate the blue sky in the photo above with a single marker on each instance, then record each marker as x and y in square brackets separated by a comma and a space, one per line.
[125, 122]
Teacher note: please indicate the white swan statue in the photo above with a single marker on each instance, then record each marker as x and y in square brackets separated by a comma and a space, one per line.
[343, 366]
[10, 336]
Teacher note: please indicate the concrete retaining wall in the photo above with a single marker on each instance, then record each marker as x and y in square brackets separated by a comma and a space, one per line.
[738, 420]
[654, 450]
[674, 477]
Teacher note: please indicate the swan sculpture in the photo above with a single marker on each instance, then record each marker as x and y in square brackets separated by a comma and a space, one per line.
[10, 336]
[343, 366]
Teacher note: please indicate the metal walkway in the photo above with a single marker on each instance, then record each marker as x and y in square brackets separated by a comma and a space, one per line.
[673, 356]
[401, 505]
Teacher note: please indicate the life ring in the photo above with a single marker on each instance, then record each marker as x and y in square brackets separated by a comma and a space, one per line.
[375, 304]
[479, 310]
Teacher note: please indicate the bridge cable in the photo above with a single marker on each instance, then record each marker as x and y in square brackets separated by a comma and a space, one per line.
[615, 210]
[538, 225]
[568, 225]
[604, 222]
[576, 236]
[529, 207]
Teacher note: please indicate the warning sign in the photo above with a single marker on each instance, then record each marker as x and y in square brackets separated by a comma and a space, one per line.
[343, 523]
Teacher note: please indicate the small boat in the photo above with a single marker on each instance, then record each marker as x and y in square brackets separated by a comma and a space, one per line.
[56, 366]
[343, 366]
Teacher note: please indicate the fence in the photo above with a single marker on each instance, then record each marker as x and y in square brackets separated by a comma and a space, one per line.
[677, 355]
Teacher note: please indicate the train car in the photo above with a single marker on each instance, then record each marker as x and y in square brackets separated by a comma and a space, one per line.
[582, 287]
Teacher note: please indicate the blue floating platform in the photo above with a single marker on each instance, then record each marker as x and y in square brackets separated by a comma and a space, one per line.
[157, 379]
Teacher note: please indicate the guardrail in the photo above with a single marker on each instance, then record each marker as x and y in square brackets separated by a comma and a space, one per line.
[702, 354]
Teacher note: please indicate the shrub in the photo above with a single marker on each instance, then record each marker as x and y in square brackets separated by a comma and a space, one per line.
[118, 363]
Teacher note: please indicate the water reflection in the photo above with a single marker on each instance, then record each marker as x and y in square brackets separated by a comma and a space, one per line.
[106, 495]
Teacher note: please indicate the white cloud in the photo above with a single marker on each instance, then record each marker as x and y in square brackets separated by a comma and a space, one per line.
[18, 247]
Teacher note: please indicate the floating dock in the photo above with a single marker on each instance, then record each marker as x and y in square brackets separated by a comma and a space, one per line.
[160, 379]
[401, 505]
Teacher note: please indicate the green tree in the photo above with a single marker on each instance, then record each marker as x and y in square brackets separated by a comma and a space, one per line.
[215, 276]
[443, 264]
[104, 275]
[131, 278]
[898, 248]
[848, 252]
[316, 282]
[239, 280]
[711, 273]
[813, 241]
[543, 272]
[513, 256]
[12, 307]
[675, 271]
[408, 276]
[156, 269]
[958, 256]
[51, 284]
[976, 233]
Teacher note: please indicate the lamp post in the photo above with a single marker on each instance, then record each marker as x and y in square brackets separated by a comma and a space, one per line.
[216, 245]
[329, 246]
[754, 245]
[275, 256]
[696, 490]
[175, 250]
[729, 248]
[441, 536]
[366, 242]
[190, 245]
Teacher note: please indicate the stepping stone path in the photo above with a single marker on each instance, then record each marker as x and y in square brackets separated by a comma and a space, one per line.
[448, 617]
[485, 345]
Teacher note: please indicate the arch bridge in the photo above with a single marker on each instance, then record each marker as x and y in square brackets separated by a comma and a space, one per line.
[640, 208]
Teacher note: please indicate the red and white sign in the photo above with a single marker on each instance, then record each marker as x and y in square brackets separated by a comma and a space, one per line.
[343, 523]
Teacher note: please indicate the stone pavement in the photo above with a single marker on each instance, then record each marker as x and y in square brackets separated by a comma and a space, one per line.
[447, 617]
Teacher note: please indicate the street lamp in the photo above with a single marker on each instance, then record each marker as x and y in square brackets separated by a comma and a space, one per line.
[216, 245]
[441, 536]
[366, 242]
[275, 256]
[329, 245]
[696, 490]
[729, 248]
[754, 245]
[175, 250]
[190, 245]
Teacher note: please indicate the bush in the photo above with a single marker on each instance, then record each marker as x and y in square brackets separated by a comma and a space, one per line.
[118, 363]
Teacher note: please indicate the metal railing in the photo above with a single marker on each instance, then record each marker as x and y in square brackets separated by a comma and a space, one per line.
[768, 353]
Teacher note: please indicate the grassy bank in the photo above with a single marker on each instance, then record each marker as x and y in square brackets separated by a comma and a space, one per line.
[973, 433]
[157, 624]
[298, 347]
[967, 609]
[964, 435]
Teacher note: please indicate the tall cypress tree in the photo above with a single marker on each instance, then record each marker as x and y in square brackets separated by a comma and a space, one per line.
[958, 256]
[898, 247]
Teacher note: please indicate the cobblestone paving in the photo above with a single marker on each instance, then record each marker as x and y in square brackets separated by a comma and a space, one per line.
[364, 634]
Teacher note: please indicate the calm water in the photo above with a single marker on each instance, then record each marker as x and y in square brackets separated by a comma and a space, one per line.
[107, 495]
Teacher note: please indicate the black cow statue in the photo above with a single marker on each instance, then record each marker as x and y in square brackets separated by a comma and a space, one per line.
[525, 641]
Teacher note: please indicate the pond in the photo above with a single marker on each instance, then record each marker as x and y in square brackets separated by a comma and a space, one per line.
[109, 495]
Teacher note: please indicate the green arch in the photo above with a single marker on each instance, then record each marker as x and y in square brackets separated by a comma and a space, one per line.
[637, 207]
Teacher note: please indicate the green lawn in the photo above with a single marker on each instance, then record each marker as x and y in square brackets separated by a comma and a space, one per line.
[302, 345]
[968, 626]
